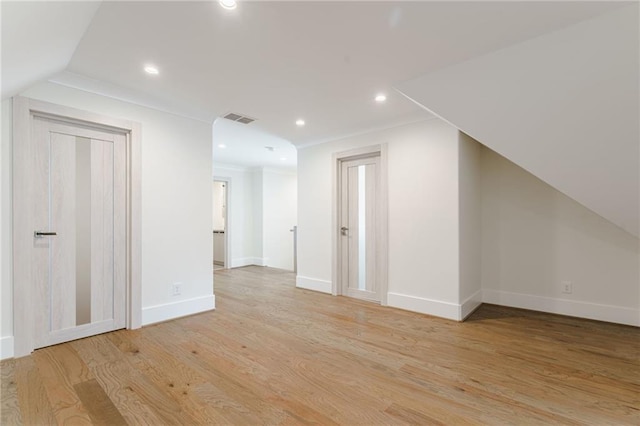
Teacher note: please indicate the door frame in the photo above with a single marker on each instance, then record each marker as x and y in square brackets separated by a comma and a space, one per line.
[382, 228]
[227, 216]
[24, 109]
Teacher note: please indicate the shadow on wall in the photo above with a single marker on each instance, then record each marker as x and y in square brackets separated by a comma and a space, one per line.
[535, 237]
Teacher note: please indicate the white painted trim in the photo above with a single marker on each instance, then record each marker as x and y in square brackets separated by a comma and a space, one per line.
[134, 303]
[414, 118]
[239, 262]
[283, 171]
[574, 308]
[167, 311]
[313, 284]
[231, 167]
[6, 347]
[101, 88]
[433, 307]
[469, 305]
[383, 226]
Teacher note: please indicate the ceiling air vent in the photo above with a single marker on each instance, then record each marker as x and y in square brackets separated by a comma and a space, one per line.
[239, 118]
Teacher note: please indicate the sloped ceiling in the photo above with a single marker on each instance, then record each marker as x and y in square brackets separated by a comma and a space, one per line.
[39, 39]
[321, 61]
[324, 62]
[564, 106]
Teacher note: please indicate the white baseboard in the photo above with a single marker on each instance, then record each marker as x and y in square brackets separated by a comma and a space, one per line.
[609, 313]
[248, 261]
[6, 347]
[313, 284]
[436, 308]
[260, 261]
[158, 313]
[470, 304]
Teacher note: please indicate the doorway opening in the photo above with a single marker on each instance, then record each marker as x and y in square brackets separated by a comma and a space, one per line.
[220, 223]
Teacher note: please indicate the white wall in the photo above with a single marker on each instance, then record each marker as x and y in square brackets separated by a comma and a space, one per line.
[219, 205]
[258, 213]
[262, 209]
[470, 233]
[468, 226]
[279, 216]
[564, 106]
[423, 215]
[176, 201]
[534, 237]
[6, 241]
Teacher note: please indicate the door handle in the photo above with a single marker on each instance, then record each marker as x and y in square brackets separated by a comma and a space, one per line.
[40, 234]
[344, 230]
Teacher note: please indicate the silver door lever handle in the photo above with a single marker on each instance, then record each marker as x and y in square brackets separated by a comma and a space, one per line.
[344, 230]
[40, 234]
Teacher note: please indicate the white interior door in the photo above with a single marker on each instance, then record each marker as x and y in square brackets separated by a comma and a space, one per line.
[358, 222]
[79, 241]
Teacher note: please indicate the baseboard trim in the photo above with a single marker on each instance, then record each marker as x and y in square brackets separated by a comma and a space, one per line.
[313, 284]
[469, 305]
[167, 311]
[433, 307]
[6, 347]
[248, 261]
[573, 308]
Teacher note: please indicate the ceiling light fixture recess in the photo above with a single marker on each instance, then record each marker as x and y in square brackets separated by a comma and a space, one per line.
[300, 122]
[150, 69]
[381, 97]
[228, 4]
[223, 146]
[283, 158]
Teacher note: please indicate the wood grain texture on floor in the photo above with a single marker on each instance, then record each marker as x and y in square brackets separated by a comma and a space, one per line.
[273, 354]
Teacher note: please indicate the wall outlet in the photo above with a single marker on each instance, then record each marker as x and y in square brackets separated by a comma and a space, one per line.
[567, 287]
[176, 289]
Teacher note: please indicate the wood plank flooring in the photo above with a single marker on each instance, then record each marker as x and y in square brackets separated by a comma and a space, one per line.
[274, 354]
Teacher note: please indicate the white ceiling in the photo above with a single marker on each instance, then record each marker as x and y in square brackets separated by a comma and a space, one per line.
[574, 124]
[246, 146]
[274, 61]
[39, 38]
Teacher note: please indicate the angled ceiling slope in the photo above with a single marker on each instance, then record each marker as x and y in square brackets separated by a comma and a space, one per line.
[279, 61]
[39, 39]
[564, 106]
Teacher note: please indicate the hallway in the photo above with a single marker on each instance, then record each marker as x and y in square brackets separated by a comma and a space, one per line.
[274, 354]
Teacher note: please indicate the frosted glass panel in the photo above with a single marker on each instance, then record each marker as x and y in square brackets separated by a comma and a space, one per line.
[362, 226]
[83, 230]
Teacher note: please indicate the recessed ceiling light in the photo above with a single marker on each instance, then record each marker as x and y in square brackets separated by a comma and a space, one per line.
[228, 4]
[381, 97]
[300, 123]
[223, 146]
[283, 158]
[150, 69]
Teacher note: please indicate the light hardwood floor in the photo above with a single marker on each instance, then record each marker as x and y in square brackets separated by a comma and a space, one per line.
[273, 354]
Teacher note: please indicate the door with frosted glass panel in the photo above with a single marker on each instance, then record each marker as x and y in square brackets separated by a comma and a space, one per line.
[359, 198]
[79, 209]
